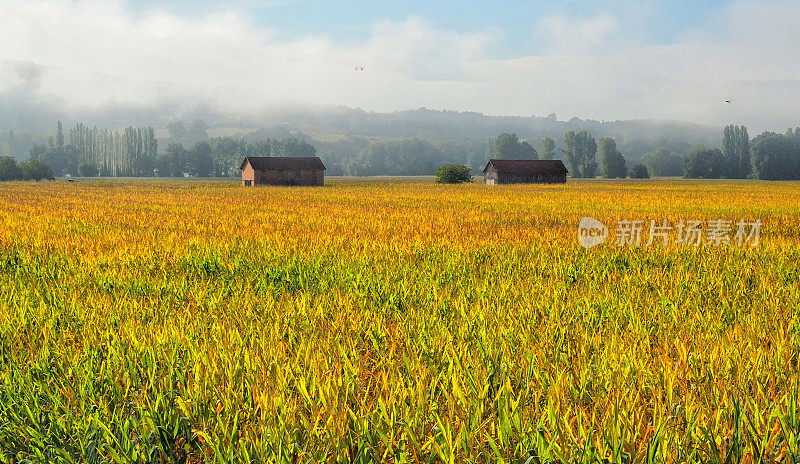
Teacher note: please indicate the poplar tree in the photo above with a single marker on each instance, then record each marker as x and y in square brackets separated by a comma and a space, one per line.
[548, 148]
[581, 152]
[611, 161]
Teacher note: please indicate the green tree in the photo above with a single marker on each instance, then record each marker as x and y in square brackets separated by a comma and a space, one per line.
[198, 131]
[548, 148]
[291, 146]
[177, 131]
[228, 153]
[526, 151]
[9, 169]
[744, 153]
[505, 146]
[476, 161]
[407, 157]
[728, 147]
[149, 151]
[62, 161]
[201, 160]
[663, 162]
[262, 147]
[639, 171]
[775, 157]
[453, 174]
[87, 170]
[736, 150]
[612, 164]
[128, 152]
[174, 161]
[704, 163]
[509, 146]
[581, 152]
[139, 162]
[59, 135]
[35, 170]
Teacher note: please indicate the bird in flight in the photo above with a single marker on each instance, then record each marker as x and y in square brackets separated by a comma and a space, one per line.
[727, 101]
[359, 68]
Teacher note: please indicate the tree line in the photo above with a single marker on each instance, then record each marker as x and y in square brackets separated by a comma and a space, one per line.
[360, 156]
[129, 152]
[580, 153]
[187, 150]
[769, 156]
[25, 170]
[222, 156]
[134, 152]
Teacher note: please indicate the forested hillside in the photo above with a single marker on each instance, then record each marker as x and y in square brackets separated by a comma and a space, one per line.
[350, 141]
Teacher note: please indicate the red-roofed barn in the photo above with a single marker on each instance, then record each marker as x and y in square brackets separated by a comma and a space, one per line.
[271, 170]
[503, 171]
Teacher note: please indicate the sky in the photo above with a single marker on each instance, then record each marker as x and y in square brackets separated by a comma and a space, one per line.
[604, 60]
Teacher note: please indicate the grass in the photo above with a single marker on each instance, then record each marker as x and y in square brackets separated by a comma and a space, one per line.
[389, 321]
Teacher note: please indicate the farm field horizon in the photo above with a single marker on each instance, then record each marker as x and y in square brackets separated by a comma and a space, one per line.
[395, 321]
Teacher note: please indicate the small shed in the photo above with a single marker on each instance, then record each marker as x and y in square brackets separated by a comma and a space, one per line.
[273, 170]
[506, 171]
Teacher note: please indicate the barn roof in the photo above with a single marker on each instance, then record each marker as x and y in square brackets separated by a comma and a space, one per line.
[284, 163]
[527, 166]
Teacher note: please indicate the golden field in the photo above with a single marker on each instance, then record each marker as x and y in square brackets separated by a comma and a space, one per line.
[394, 322]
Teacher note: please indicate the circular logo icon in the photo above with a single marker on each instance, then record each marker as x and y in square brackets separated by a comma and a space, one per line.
[591, 232]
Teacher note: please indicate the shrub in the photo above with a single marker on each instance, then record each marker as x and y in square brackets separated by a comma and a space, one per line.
[639, 171]
[704, 163]
[26, 170]
[662, 162]
[87, 170]
[9, 169]
[453, 174]
[35, 170]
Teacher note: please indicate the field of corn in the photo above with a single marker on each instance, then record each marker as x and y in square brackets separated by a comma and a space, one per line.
[394, 322]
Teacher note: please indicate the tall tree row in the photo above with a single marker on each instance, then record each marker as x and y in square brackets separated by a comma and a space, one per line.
[736, 150]
[581, 152]
[134, 152]
[769, 156]
[611, 161]
[776, 156]
[509, 146]
[131, 152]
[548, 148]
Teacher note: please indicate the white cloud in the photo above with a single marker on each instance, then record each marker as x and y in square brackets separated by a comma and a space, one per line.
[92, 53]
[563, 35]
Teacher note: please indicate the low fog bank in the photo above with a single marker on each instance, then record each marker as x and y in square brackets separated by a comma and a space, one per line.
[26, 114]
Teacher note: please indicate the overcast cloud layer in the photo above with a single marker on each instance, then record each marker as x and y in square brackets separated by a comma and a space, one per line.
[92, 54]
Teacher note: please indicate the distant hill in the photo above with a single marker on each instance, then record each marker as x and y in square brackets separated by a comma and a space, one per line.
[341, 128]
[458, 126]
